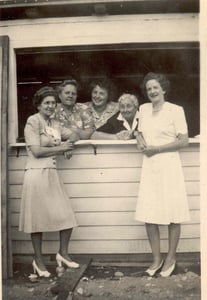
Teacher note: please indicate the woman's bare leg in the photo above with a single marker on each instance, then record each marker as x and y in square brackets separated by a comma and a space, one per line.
[174, 236]
[64, 241]
[36, 238]
[153, 234]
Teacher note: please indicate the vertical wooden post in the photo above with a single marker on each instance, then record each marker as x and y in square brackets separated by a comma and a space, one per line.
[5, 224]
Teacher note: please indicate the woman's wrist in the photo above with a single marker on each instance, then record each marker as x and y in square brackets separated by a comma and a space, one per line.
[159, 150]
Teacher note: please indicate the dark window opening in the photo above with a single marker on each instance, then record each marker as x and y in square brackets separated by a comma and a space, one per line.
[124, 64]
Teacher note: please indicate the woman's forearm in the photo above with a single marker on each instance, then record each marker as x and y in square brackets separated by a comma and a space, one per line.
[103, 136]
[141, 144]
[85, 134]
[181, 142]
[39, 151]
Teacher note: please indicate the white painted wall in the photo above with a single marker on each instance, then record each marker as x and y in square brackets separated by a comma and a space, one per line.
[103, 189]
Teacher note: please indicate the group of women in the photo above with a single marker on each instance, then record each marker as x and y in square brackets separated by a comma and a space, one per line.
[160, 130]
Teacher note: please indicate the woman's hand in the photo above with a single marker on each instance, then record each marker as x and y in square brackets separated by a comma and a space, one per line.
[67, 148]
[151, 150]
[68, 145]
[124, 135]
[141, 144]
[68, 154]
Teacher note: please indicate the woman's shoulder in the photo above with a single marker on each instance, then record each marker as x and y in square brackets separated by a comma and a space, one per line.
[81, 106]
[88, 104]
[145, 106]
[33, 119]
[113, 106]
[32, 125]
[114, 117]
[173, 107]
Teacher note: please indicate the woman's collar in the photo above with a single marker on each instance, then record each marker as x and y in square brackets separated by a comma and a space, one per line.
[125, 122]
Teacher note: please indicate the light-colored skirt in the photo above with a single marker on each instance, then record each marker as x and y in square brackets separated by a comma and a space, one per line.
[45, 205]
[162, 195]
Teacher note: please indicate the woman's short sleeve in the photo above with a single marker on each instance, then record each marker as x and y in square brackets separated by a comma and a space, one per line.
[32, 131]
[180, 121]
[140, 118]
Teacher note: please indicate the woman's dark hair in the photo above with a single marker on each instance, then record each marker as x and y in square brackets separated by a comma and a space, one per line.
[42, 93]
[161, 78]
[105, 84]
[69, 81]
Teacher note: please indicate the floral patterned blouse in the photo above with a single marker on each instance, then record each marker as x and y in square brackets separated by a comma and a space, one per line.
[99, 120]
[80, 117]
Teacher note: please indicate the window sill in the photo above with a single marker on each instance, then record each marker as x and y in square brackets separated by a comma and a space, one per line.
[95, 143]
[107, 142]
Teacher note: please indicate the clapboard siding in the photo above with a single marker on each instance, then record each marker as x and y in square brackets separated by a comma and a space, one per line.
[103, 189]
[114, 160]
[109, 218]
[191, 173]
[95, 204]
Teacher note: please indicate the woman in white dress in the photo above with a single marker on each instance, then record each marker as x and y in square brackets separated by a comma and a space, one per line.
[162, 197]
[45, 205]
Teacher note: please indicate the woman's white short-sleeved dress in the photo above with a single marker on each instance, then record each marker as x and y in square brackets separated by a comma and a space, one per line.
[162, 195]
[45, 205]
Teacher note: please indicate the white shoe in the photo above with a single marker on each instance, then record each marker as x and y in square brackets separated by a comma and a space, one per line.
[69, 264]
[39, 272]
[169, 271]
[152, 272]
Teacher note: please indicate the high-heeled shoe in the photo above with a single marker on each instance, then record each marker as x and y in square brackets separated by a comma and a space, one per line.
[152, 272]
[69, 264]
[40, 272]
[169, 271]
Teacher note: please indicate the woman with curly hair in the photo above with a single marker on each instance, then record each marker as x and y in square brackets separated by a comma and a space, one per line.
[45, 205]
[162, 196]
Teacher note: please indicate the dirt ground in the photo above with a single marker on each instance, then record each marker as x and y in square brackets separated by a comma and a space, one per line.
[110, 282]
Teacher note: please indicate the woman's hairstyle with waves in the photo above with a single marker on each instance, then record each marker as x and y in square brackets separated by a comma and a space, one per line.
[42, 93]
[161, 78]
[131, 97]
[69, 81]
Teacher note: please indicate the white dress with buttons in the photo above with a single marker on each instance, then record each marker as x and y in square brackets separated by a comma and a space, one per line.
[45, 205]
[162, 196]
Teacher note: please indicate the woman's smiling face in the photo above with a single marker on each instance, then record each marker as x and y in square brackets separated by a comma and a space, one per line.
[68, 95]
[47, 106]
[127, 109]
[99, 96]
[154, 91]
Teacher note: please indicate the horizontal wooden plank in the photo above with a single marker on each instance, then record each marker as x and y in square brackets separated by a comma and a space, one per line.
[191, 173]
[105, 247]
[116, 189]
[100, 149]
[81, 149]
[102, 175]
[103, 160]
[97, 31]
[108, 218]
[119, 160]
[133, 148]
[104, 189]
[110, 233]
[105, 204]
